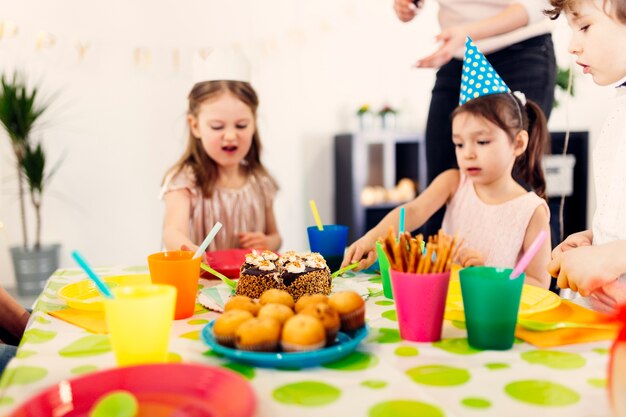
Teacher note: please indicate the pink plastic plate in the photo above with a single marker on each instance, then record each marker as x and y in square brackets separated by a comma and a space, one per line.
[228, 261]
[182, 390]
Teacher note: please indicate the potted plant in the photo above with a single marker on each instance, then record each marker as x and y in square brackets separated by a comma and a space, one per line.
[365, 117]
[562, 83]
[387, 117]
[20, 111]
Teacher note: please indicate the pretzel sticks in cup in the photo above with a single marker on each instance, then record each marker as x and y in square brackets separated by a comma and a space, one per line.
[405, 254]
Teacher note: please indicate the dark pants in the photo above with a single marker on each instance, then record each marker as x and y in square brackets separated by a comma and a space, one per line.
[528, 66]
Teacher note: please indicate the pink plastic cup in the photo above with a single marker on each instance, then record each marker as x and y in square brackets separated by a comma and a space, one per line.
[420, 304]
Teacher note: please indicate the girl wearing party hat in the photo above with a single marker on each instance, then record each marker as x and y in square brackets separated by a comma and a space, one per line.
[499, 138]
[220, 176]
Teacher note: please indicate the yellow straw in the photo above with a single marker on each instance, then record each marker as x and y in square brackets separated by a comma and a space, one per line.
[320, 226]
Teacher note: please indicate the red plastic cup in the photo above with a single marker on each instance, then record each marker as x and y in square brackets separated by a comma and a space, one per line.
[177, 268]
[420, 304]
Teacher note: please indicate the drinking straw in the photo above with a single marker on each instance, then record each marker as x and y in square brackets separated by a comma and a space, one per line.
[529, 255]
[232, 284]
[316, 215]
[401, 222]
[207, 240]
[344, 269]
[101, 285]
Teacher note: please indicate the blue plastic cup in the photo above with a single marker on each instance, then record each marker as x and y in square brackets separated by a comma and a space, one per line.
[330, 243]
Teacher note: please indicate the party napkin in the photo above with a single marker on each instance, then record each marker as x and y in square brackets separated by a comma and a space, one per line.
[567, 311]
[215, 297]
[92, 321]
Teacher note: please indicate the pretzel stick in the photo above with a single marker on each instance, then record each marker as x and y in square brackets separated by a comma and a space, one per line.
[446, 263]
[429, 254]
[398, 256]
[413, 256]
[389, 244]
[404, 252]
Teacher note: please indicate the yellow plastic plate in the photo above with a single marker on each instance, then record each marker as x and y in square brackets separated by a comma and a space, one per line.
[534, 300]
[84, 295]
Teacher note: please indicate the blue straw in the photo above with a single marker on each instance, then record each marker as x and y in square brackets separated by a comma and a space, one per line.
[401, 222]
[102, 287]
[207, 240]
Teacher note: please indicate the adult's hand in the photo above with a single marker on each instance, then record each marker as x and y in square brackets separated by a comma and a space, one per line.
[406, 9]
[453, 39]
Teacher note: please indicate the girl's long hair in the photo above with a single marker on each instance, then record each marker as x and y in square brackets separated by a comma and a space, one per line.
[508, 113]
[196, 158]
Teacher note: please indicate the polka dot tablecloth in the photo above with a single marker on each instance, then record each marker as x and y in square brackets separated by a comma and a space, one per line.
[386, 376]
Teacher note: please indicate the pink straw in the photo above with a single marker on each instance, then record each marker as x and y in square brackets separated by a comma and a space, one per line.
[529, 255]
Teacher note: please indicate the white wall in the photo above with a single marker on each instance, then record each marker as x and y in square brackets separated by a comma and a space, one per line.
[120, 125]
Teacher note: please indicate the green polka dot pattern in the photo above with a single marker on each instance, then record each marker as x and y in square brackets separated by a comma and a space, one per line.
[374, 384]
[457, 346]
[87, 346]
[356, 361]
[544, 393]
[245, 370]
[474, 402]
[597, 382]
[406, 351]
[307, 394]
[438, 375]
[553, 359]
[83, 369]
[22, 375]
[405, 408]
[38, 336]
[386, 335]
[390, 315]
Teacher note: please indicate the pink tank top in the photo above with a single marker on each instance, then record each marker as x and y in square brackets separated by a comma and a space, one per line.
[496, 230]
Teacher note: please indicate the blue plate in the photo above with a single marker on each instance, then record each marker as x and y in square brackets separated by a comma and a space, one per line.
[343, 346]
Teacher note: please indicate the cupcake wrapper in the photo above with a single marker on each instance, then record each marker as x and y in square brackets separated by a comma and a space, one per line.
[331, 335]
[225, 340]
[353, 320]
[259, 347]
[292, 347]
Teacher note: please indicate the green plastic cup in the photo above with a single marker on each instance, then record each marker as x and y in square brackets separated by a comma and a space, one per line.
[491, 303]
[383, 264]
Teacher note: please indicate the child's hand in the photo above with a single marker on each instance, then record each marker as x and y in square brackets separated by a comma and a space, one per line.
[470, 257]
[573, 241]
[194, 248]
[253, 240]
[363, 247]
[406, 9]
[585, 268]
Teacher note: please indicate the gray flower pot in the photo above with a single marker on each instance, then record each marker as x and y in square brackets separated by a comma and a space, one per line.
[33, 267]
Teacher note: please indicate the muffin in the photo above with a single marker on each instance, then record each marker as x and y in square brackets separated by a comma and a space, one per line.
[241, 302]
[310, 299]
[258, 273]
[303, 333]
[329, 318]
[277, 296]
[226, 325]
[280, 312]
[258, 334]
[351, 309]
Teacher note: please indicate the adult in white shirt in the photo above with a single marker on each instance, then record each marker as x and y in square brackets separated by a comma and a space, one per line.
[515, 37]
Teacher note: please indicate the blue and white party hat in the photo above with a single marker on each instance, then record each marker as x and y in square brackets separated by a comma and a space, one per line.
[478, 77]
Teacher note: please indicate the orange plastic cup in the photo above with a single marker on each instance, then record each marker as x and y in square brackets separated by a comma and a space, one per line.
[178, 269]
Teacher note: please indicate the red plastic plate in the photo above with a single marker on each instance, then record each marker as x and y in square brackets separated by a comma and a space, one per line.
[182, 390]
[228, 261]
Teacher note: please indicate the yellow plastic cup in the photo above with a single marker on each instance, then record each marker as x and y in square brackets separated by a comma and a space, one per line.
[177, 268]
[139, 319]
